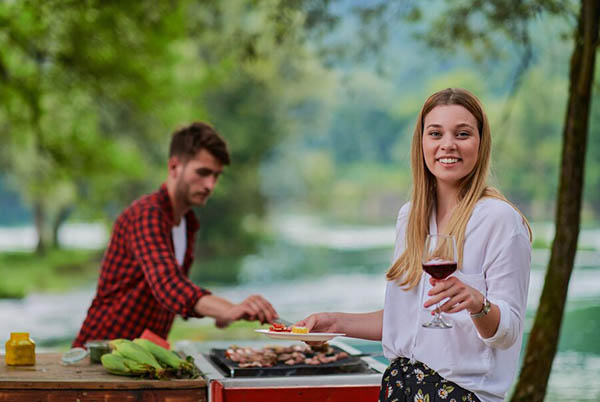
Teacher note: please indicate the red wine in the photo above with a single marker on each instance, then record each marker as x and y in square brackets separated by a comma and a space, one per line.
[439, 270]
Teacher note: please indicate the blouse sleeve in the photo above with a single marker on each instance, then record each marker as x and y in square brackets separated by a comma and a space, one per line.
[401, 223]
[507, 279]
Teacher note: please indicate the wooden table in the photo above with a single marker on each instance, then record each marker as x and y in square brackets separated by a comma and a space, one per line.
[49, 380]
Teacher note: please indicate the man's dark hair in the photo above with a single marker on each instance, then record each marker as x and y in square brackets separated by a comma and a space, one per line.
[188, 140]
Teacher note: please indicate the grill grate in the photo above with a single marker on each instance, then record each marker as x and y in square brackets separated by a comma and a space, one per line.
[351, 364]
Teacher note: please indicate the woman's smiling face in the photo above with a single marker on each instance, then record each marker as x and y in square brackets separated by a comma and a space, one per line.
[450, 143]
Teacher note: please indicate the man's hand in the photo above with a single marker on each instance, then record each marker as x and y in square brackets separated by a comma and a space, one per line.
[253, 308]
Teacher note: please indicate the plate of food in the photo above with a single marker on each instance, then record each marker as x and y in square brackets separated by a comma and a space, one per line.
[294, 333]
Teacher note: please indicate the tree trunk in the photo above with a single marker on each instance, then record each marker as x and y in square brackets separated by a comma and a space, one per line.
[61, 217]
[543, 340]
[39, 213]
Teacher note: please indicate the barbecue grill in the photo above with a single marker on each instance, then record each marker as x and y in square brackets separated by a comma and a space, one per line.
[351, 379]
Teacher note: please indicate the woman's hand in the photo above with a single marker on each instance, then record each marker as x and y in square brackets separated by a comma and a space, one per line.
[461, 296]
[320, 322]
[355, 325]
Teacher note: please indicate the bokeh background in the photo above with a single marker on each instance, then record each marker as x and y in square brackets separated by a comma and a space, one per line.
[317, 100]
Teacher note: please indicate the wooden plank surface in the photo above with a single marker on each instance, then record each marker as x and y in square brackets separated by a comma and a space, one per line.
[124, 395]
[50, 373]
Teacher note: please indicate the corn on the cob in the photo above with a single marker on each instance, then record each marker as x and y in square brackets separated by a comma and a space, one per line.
[130, 350]
[138, 368]
[115, 364]
[114, 342]
[160, 353]
[178, 367]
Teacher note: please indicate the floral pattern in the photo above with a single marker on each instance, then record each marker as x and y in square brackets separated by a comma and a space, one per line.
[405, 381]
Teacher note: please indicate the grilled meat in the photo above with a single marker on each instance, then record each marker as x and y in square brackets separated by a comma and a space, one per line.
[288, 355]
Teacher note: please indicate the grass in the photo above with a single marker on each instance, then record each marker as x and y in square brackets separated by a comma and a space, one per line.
[192, 330]
[205, 330]
[56, 271]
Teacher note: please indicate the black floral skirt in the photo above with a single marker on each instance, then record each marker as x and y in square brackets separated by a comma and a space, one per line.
[415, 382]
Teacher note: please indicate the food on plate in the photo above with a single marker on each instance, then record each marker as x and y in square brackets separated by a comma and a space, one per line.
[299, 330]
[277, 327]
[270, 356]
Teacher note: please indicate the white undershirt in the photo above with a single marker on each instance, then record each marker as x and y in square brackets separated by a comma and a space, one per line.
[496, 261]
[180, 240]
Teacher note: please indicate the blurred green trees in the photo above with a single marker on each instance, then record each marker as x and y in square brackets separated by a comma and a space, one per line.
[75, 114]
[318, 107]
[91, 91]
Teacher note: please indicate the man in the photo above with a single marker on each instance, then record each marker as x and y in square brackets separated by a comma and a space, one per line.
[144, 281]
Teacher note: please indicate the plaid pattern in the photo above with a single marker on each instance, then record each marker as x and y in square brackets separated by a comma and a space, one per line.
[141, 285]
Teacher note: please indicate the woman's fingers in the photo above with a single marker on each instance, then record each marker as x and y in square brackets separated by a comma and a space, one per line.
[457, 307]
[309, 322]
[452, 290]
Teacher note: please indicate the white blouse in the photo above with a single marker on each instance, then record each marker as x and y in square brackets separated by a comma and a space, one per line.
[496, 261]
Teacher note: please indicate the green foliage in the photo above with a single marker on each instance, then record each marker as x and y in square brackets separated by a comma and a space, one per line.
[205, 330]
[92, 90]
[57, 271]
[69, 70]
[217, 270]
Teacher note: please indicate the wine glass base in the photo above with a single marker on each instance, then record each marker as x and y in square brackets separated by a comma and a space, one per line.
[437, 323]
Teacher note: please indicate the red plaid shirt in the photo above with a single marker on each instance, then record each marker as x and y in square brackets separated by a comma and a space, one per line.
[141, 285]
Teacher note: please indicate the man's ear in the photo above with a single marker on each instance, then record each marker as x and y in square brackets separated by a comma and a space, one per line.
[173, 166]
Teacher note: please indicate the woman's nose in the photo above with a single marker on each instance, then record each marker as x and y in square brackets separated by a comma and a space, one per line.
[448, 142]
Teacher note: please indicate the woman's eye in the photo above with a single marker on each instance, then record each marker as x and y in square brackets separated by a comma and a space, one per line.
[464, 134]
[434, 133]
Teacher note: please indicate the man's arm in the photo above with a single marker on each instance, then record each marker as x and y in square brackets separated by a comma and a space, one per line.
[254, 307]
[149, 243]
[174, 290]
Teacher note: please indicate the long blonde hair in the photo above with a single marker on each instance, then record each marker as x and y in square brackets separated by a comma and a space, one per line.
[407, 269]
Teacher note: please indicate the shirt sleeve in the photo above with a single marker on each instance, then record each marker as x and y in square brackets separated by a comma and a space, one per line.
[401, 223]
[507, 281]
[169, 285]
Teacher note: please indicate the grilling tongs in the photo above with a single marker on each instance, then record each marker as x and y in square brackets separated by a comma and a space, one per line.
[282, 321]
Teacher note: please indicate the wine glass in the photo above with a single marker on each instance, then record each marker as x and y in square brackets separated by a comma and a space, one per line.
[439, 261]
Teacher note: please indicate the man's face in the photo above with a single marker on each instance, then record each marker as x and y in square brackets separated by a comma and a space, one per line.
[195, 179]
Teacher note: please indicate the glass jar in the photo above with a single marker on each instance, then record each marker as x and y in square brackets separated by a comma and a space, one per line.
[97, 348]
[20, 350]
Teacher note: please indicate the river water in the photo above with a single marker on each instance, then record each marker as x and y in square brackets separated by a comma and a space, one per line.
[350, 279]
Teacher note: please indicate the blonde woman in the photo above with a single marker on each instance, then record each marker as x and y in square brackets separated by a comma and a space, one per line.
[486, 298]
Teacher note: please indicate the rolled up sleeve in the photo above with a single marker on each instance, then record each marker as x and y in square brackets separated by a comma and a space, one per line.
[507, 278]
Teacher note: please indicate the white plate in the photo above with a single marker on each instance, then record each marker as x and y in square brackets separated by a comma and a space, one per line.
[291, 336]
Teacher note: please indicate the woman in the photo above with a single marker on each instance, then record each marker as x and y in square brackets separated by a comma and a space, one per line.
[485, 299]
